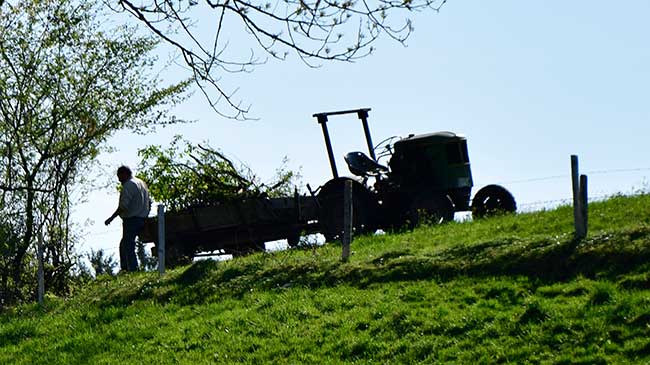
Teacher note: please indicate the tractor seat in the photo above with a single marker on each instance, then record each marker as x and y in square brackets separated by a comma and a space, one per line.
[362, 165]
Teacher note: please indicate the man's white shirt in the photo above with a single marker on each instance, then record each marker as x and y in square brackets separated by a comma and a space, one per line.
[134, 199]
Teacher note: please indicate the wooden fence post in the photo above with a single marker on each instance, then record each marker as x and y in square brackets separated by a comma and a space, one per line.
[584, 204]
[41, 274]
[347, 220]
[161, 239]
[580, 199]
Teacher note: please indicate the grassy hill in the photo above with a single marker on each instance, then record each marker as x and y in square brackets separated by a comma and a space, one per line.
[514, 289]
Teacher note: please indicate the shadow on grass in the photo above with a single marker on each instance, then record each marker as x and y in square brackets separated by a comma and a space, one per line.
[604, 256]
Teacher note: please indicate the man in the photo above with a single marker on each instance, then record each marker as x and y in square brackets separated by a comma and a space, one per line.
[133, 208]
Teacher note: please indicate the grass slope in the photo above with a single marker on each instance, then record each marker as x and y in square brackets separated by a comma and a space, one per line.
[514, 289]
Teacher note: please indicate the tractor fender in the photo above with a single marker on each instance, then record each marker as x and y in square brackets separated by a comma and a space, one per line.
[337, 186]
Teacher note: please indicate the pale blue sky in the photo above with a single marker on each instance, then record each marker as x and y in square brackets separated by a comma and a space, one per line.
[529, 83]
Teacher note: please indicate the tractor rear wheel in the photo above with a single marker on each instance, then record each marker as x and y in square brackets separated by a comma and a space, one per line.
[492, 200]
[431, 209]
[330, 217]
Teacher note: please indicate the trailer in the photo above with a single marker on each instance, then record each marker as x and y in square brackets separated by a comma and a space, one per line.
[236, 227]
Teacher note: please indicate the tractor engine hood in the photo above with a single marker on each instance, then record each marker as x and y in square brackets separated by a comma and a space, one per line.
[437, 161]
[431, 138]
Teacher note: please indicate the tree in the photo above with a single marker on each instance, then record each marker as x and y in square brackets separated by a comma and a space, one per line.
[67, 83]
[9, 238]
[102, 264]
[315, 30]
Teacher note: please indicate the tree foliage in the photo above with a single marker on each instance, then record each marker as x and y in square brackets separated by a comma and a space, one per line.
[315, 30]
[67, 83]
[189, 175]
[102, 263]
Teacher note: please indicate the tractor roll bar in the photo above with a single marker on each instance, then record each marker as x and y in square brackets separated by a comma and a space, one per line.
[323, 119]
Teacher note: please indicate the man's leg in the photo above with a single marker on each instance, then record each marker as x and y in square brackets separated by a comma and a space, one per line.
[132, 227]
[123, 259]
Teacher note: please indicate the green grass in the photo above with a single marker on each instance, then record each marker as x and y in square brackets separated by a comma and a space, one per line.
[512, 289]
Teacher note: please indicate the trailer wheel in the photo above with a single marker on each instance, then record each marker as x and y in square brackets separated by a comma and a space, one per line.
[430, 208]
[492, 200]
[293, 240]
[248, 249]
[176, 256]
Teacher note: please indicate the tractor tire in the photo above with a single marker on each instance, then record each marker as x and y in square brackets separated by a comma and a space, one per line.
[492, 200]
[331, 202]
[293, 240]
[176, 255]
[430, 209]
[245, 250]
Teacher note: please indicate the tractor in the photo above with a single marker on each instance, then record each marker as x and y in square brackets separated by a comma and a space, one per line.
[427, 179]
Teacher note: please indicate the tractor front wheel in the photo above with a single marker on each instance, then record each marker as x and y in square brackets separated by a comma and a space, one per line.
[492, 200]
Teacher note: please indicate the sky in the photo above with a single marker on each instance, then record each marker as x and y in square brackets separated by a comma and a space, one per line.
[527, 82]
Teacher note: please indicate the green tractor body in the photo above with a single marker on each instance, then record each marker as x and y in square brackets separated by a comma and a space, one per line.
[428, 176]
[433, 162]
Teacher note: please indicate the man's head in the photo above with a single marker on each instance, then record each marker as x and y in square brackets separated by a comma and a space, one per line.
[124, 174]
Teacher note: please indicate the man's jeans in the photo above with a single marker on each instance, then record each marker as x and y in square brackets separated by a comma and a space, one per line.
[131, 227]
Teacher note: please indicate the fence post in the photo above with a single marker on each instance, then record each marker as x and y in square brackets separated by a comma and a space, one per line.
[584, 204]
[577, 206]
[41, 274]
[347, 220]
[161, 239]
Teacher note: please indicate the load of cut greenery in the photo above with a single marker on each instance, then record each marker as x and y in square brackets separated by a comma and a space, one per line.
[188, 175]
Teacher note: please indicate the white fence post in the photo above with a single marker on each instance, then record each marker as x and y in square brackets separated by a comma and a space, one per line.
[41, 274]
[161, 239]
[347, 220]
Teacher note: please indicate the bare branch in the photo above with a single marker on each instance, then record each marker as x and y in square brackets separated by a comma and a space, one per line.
[315, 30]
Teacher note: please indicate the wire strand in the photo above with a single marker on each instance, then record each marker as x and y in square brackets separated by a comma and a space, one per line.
[566, 176]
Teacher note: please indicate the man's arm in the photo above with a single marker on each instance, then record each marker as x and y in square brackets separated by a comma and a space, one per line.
[113, 216]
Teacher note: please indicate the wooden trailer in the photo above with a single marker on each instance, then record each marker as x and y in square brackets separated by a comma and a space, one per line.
[236, 227]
